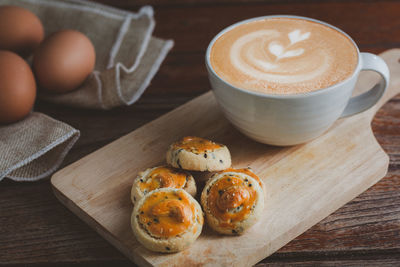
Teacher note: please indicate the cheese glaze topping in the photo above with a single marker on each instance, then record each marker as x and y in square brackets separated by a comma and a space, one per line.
[245, 171]
[162, 177]
[168, 213]
[196, 144]
[231, 200]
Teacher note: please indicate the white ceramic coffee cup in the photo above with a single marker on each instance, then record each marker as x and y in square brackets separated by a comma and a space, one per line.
[297, 118]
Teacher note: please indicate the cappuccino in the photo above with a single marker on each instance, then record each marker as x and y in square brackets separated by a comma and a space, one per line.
[283, 56]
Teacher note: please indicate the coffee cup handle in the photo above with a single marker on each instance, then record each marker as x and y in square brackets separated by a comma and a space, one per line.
[366, 100]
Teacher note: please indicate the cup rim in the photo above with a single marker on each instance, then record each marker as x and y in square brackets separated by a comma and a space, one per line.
[281, 96]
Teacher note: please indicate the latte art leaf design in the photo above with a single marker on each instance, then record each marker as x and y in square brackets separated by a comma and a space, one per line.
[296, 36]
[283, 56]
[259, 54]
[281, 52]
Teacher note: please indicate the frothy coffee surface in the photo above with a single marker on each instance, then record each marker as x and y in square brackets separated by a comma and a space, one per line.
[283, 56]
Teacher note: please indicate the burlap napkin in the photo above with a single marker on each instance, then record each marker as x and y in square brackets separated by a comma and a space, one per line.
[33, 148]
[127, 58]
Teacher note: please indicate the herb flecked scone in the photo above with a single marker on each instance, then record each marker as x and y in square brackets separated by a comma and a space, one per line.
[167, 220]
[161, 177]
[232, 201]
[249, 172]
[198, 154]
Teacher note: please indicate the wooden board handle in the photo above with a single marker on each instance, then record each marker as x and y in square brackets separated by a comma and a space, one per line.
[392, 58]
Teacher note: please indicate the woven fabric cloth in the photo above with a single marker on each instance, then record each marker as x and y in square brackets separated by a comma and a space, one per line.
[127, 58]
[34, 148]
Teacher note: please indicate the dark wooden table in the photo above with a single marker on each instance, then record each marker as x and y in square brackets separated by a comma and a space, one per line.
[36, 230]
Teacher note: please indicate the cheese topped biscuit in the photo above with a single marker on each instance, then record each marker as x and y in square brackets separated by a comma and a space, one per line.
[161, 177]
[167, 220]
[232, 202]
[198, 154]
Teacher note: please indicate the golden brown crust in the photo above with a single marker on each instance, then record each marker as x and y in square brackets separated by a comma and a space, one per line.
[161, 177]
[249, 172]
[232, 202]
[198, 154]
[167, 220]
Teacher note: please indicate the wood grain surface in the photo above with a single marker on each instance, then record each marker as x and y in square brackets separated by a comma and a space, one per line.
[304, 183]
[37, 230]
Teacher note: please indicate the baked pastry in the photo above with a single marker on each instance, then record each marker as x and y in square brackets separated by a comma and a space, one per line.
[160, 177]
[167, 220]
[198, 154]
[249, 172]
[232, 202]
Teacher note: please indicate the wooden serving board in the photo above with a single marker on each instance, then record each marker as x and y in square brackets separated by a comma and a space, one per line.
[305, 183]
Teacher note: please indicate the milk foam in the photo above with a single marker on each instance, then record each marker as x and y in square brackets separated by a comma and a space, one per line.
[283, 56]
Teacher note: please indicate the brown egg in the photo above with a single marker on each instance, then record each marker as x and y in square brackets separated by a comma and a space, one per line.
[20, 30]
[63, 61]
[17, 87]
